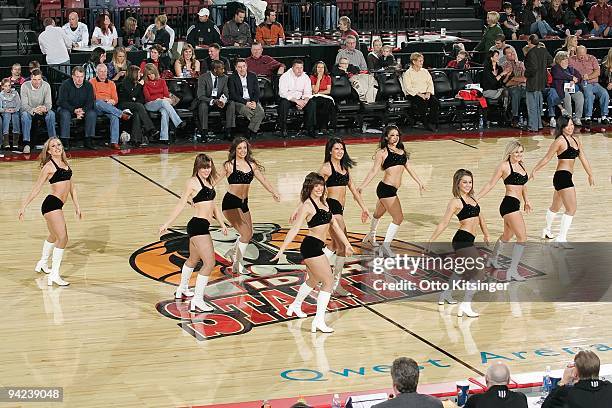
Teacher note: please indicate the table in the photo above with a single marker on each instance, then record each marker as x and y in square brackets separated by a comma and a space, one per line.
[90, 48]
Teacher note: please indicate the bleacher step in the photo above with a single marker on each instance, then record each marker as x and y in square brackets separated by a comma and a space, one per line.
[458, 23]
[10, 11]
[456, 12]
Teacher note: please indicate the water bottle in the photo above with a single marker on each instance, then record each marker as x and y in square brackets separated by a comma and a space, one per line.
[185, 72]
[336, 403]
[546, 383]
[480, 123]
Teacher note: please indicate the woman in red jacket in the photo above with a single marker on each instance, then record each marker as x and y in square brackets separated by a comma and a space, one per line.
[157, 98]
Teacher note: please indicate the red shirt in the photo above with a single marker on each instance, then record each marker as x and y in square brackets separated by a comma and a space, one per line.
[325, 82]
[600, 15]
[264, 65]
[155, 90]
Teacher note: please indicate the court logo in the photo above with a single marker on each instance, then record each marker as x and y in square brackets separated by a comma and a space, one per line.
[243, 302]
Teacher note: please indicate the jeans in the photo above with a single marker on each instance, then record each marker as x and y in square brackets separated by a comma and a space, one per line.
[553, 100]
[599, 32]
[534, 110]
[517, 94]
[26, 124]
[66, 116]
[7, 118]
[63, 67]
[590, 92]
[167, 112]
[113, 114]
[325, 16]
[542, 28]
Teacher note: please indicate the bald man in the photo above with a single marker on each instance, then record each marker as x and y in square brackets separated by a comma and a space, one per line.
[498, 395]
[76, 31]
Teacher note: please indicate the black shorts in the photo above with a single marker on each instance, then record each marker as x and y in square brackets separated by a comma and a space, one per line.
[311, 247]
[335, 207]
[509, 205]
[51, 203]
[384, 190]
[562, 179]
[231, 202]
[463, 239]
[198, 226]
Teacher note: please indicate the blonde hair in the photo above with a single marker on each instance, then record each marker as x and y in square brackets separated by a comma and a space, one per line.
[415, 56]
[494, 16]
[377, 40]
[511, 147]
[345, 20]
[566, 44]
[560, 56]
[44, 157]
[608, 59]
[182, 60]
[151, 69]
[161, 19]
[117, 51]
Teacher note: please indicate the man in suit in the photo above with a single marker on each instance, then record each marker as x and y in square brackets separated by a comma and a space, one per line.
[213, 94]
[405, 375]
[497, 395]
[244, 93]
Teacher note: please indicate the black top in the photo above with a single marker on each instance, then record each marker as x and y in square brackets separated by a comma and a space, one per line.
[60, 174]
[515, 178]
[337, 179]
[497, 396]
[583, 394]
[208, 32]
[205, 193]
[130, 91]
[206, 64]
[394, 159]
[162, 37]
[239, 176]
[70, 97]
[321, 217]
[234, 86]
[468, 210]
[570, 153]
[489, 80]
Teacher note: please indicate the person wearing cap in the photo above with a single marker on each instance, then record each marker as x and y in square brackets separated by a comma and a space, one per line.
[204, 32]
[497, 394]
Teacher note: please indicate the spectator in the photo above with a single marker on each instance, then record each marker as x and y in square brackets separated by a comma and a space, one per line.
[32, 66]
[373, 58]
[10, 103]
[500, 44]
[588, 67]
[118, 65]
[296, 8]
[354, 56]
[98, 7]
[494, 79]
[131, 96]
[214, 54]
[533, 20]
[344, 25]
[605, 78]
[131, 34]
[569, 46]
[105, 94]
[161, 63]
[54, 43]
[236, 32]
[263, 64]
[204, 32]
[244, 93]
[76, 99]
[97, 57]
[295, 89]
[574, 20]
[498, 394]
[105, 33]
[344, 68]
[418, 88]
[563, 74]
[270, 32]
[76, 31]
[387, 61]
[16, 78]
[187, 65]
[36, 102]
[325, 16]
[600, 15]
[213, 94]
[324, 105]
[554, 17]
[405, 376]
[461, 62]
[165, 37]
[580, 386]
[516, 82]
[536, 62]
[508, 22]
[492, 30]
[157, 99]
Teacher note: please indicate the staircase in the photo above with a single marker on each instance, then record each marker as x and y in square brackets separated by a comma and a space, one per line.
[10, 20]
[459, 19]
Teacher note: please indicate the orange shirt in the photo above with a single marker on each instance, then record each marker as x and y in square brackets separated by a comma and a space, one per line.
[268, 34]
[104, 90]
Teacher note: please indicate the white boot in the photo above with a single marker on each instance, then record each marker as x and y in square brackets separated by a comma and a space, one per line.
[319, 321]
[370, 238]
[183, 288]
[466, 305]
[329, 254]
[391, 232]
[512, 272]
[240, 251]
[197, 302]
[54, 276]
[296, 306]
[338, 268]
[566, 223]
[499, 247]
[43, 264]
[550, 219]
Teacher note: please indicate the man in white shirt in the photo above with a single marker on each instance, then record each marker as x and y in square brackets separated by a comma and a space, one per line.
[54, 43]
[76, 31]
[351, 53]
[295, 90]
